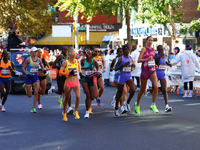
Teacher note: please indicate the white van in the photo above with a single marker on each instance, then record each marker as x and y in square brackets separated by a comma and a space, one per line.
[110, 41]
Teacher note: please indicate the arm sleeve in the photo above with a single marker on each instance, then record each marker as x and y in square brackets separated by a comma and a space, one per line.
[176, 60]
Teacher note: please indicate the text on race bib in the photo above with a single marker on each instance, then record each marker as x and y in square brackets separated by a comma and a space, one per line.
[151, 63]
[75, 71]
[33, 70]
[162, 67]
[127, 69]
[5, 71]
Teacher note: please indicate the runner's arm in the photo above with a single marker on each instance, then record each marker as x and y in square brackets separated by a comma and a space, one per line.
[27, 61]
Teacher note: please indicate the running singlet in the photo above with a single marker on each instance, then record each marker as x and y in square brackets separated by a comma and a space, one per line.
[43, 62]
[161, 64]
[149, 64]
[61, 60]
[99, 61]
[5, 72]
[88, 68]
[127, 69]
[75, 67]
[32, 67]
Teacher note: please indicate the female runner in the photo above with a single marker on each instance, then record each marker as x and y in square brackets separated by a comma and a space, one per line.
[6, 68]
[160, 72]
[88, 66]
[61, 80]
[147, 58]
[42, 77]
[30, 68]
[100, 81]
[125, 64]
[70, 69]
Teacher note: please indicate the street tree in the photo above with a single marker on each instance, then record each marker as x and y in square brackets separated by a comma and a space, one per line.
[89, 9]
[30, 17]
[161, 12]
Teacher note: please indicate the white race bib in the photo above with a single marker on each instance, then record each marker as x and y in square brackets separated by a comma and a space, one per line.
[33, 70]
[5, 71]
[75, 71]
[151, 63]
[162, 67]
[127, 69]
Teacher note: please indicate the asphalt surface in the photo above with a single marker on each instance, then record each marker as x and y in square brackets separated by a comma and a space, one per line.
[22, 130]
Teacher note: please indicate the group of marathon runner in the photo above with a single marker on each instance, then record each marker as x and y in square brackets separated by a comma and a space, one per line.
[87, 72]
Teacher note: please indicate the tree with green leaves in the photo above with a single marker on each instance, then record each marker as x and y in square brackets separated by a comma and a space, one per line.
[194, 26]
[161, 12]
[89, 8]
[30, 17]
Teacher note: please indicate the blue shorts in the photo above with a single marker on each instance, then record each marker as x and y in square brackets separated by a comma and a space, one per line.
[123, 78]
[6, 81]
[160, 74]
[33, 79]
[116, 76]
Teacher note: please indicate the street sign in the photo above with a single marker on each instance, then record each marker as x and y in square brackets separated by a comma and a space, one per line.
[82, 28]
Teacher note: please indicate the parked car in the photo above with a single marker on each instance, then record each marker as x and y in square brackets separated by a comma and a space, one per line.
[17, 80]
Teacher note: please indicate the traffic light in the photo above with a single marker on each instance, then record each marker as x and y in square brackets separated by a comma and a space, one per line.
[74, 26]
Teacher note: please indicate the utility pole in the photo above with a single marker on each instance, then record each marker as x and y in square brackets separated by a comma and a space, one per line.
[76, 31]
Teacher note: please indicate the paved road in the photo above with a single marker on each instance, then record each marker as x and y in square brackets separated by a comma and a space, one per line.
[22, 130]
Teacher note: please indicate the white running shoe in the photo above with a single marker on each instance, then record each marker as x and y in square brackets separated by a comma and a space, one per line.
[168, 109]
[87, 114]
[116, 112]
[70, 110]
[128, 106]
[3, 109]
[123, 110]
[185, 95]
[40, 106]
[113, 101]
[190, 95]
[50, 91]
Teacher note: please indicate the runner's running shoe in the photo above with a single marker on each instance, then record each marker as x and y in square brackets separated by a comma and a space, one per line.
[185, 95]
[76, 115]
[33, 110]
[154, 108]
[128, 106]
[137, 109]
[70, 110]
[50, 91]
[116, 112]
[40, 106]
[3, 109]
[113, 101]
[90, 111]
[61, 104]
[123, 110]
[64, 116]
[24, 86]
[60, 100]
[168, 109]
[98, 102]
[87, 114]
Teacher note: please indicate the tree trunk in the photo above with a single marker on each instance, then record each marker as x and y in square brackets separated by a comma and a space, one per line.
[128, 18]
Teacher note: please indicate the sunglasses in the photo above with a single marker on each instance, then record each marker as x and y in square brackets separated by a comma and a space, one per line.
[97, 51]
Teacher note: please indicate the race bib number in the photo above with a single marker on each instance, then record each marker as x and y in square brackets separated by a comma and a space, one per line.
[33, 70]
[151, 63]
[5, 71]
[127, 69]
[88, 72]
[75, 71]
[162, 67]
